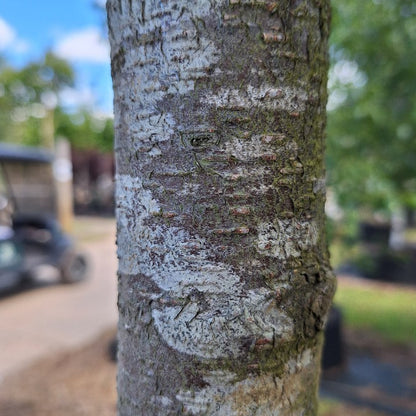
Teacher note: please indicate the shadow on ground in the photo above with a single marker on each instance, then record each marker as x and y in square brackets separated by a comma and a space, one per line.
[375, 375]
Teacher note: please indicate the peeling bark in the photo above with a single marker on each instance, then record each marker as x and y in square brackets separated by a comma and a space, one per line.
[224, 281]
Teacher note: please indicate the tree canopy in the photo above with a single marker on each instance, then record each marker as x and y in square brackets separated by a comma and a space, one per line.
[30, 94]
[372, 109]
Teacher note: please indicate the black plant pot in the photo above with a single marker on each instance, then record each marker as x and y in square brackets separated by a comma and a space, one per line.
[333, 356]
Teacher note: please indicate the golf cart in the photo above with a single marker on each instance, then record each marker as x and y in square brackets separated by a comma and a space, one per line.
[29, 233]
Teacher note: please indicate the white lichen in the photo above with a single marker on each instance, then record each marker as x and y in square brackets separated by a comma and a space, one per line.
[285, 238]
[265, 96]
[213, 307]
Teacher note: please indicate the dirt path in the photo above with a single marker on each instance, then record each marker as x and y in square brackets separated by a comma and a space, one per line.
[80, 382]
[54, 349]
[47, 317]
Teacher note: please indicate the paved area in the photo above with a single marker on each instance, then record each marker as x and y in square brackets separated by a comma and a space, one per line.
[46, 316]
[375, 383]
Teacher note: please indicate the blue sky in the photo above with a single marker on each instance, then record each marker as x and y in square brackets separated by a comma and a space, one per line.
[74, 30]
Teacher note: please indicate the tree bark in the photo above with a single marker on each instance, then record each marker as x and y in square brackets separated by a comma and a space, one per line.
[224, 281]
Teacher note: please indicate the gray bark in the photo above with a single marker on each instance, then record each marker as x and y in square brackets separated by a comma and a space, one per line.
[224, 282]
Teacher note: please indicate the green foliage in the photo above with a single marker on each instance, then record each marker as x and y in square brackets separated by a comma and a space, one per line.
[49, 75]
[29, 100]
[391, 312]
[27, 94]
[85, 130]
[342, 238]
[372, 118]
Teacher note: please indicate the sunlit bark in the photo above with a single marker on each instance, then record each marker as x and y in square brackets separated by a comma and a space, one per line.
[224, 283]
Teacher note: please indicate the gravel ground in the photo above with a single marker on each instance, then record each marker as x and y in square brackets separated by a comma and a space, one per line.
[44, 317]
[82, 382]
[72, 383]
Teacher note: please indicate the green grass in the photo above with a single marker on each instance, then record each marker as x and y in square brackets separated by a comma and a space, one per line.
[410, 235]
[327, 407]
[388, 311]
[330, 407]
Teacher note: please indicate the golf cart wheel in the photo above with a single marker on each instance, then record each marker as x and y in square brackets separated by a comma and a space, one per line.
[74, 268]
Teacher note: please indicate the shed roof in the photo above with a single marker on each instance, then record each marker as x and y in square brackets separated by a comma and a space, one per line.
[13, 153]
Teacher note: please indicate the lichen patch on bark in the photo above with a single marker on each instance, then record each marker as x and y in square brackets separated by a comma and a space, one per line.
[273, 238]
[265, 96]
[209, 307]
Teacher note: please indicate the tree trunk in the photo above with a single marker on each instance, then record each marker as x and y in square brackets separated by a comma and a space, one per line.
[224, 282]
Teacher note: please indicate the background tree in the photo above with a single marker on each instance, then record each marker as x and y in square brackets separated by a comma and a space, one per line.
[224, 282]
[85, 129]
[372, 118]
[28, 94]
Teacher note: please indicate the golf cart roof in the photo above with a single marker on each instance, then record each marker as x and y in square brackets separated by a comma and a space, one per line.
[13, 153]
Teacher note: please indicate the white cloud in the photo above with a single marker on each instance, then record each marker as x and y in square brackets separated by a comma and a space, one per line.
[71, 97]
[83, 97]
[86, 45]
[7, 34]
[21, 46]
[9, 39]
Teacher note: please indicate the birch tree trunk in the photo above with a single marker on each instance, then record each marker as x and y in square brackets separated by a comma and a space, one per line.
[224, 282]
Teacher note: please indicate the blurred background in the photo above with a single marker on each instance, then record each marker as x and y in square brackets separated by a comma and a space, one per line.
[56, 98]
[55, 83]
